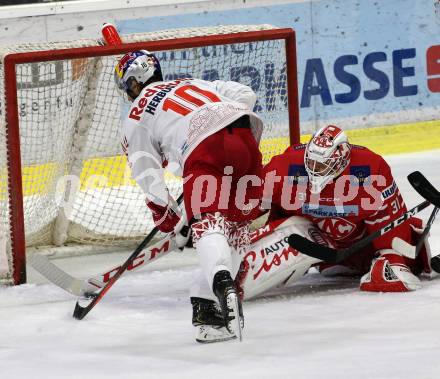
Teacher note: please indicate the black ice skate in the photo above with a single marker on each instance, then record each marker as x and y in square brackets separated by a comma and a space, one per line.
[210, 324]
[224, 288]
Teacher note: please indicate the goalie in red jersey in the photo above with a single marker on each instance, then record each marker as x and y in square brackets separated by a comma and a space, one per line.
[347, 192]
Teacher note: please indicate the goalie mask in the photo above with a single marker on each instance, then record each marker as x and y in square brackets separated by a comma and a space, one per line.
[326, 156]
[135, 69]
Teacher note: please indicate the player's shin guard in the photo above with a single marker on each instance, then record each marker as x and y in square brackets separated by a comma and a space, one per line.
[389, 273]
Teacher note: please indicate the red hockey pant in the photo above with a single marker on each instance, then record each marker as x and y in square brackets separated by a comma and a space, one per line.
[210, 186]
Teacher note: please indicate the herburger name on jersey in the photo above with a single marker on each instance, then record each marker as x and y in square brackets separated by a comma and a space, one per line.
[157, 93]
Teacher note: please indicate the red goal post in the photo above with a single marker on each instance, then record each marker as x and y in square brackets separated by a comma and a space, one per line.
[35, 151]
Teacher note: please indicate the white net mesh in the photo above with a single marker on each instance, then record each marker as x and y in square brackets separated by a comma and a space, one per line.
[69, 116]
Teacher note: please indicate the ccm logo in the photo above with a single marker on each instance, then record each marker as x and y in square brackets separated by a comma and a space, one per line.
[139, 260]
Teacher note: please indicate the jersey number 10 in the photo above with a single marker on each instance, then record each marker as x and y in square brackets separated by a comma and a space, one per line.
[183, 102]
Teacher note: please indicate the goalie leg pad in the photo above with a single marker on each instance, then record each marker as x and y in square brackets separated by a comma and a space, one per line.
[270, 262]
[389, 273]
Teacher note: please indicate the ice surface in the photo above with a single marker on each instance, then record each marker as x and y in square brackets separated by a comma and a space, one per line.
[318, 328]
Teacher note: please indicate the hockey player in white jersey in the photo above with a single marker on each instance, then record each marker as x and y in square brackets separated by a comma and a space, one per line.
[203, 131]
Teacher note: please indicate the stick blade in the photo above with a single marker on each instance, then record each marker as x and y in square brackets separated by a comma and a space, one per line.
[59, 277]
[424, 188]
[312, 249]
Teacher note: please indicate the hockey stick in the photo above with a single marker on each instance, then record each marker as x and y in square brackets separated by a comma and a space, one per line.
[330, 255]
[412, 251]
[80, 312]
[429, 193]
[59, 277]
[81, 287]
[424, 188]
[426, 231]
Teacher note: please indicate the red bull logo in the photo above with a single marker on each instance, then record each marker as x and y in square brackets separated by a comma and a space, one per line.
[124, 62]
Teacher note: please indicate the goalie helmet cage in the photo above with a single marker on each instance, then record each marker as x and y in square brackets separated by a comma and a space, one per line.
[64, 178]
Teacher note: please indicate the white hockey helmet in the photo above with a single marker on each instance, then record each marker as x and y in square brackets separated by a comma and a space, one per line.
[327, 155]
[136, 67]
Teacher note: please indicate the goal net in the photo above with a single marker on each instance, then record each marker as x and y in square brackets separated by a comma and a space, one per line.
[64, 179]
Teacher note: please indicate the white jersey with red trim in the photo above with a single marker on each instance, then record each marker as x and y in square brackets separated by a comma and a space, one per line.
[169, 119]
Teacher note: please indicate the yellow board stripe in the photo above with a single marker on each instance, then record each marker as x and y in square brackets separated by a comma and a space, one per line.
[396, 139]
[113, 171]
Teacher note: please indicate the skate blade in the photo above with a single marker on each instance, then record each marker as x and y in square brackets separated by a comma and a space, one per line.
[223, 339]
[233, 303]
[211, 334]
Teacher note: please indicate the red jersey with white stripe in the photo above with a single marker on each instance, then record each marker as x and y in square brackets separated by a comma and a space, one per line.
[360, 201]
